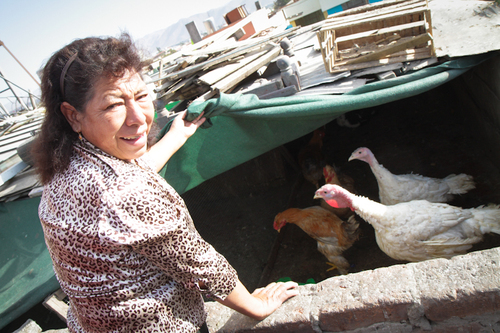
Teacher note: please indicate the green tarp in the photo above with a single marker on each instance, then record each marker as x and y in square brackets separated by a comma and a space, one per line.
[240, 127]
[26, 274]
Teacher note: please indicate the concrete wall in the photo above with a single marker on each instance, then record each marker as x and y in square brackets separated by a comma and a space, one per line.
[457, 295]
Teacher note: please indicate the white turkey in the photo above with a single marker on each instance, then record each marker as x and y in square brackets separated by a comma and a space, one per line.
[418, 230]
[402, 188]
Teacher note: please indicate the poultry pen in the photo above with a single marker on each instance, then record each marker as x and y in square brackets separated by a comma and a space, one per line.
[435, 134]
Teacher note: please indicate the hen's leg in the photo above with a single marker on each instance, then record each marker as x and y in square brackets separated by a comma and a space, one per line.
[340, 263]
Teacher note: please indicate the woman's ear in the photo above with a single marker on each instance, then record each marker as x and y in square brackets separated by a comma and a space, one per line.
[72, 116]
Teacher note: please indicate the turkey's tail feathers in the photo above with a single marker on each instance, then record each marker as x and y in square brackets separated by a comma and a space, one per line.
[488, 218]
[460, 184]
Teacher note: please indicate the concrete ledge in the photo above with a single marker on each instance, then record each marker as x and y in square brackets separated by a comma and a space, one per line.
[457, 295]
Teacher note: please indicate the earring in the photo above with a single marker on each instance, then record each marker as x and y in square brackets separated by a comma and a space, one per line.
[80, 136]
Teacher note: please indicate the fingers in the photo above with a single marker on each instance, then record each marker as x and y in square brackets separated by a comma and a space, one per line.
[273, 295]
[286, 290]
[197, 121]
[199, 117]
[280, 291]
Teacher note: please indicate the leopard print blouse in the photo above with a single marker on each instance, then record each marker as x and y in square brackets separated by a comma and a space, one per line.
[125, 249]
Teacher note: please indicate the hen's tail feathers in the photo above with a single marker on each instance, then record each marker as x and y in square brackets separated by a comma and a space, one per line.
[460, 184]
[488, 218]
[351, 227]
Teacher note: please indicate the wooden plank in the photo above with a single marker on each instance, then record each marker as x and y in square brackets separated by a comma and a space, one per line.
[400, 45]
[217, 48]
[236, 77]
[372, 39]
[178, 86]
[252, 45]
[166, 85]
[378, 32]
[368, 11]
[373, 15]
[325, 39]
[193, 69]
[218, 74]
[206, 96]
[371, 20]
[191, 92]
[354, 52]
[405, 56]
[428, 21]
[55, 303]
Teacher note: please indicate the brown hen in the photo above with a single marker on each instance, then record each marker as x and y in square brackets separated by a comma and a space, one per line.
[333, 235]
[311, 159]
[332, 177]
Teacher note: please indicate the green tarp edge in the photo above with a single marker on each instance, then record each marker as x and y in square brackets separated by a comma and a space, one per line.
[241, 127]
[26, 273]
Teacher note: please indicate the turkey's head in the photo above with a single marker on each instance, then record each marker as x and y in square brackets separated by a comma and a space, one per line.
[362, 154]
[334, 195]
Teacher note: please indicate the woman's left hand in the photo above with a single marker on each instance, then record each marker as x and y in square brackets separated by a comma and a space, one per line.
[184, 127]
[273, 295]
[179, 132]
[263, 301]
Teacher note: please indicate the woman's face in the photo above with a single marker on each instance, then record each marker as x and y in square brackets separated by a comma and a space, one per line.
[118, 117]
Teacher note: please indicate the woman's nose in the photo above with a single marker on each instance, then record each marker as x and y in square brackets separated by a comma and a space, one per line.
[135, 114]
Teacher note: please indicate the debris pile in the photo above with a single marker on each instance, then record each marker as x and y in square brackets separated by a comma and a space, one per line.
[347, 50]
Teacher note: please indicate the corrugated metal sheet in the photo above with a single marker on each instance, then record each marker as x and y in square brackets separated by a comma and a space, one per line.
[14, 133]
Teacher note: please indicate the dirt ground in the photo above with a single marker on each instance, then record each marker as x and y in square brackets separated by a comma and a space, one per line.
[429, 134]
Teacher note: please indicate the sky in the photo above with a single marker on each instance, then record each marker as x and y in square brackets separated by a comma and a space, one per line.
[32, 30]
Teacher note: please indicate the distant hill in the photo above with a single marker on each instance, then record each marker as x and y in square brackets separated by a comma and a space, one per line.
[177, 32]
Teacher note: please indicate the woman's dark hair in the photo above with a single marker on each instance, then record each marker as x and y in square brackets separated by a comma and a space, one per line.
[69, 76]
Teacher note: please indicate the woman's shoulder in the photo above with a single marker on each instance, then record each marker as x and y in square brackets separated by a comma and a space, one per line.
[82, 177]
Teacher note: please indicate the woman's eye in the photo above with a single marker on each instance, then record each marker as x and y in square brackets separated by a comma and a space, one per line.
[112, 106]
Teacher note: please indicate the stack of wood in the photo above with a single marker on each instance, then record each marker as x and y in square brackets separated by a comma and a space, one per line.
[216, 64]
[356, 45]
[378, 34]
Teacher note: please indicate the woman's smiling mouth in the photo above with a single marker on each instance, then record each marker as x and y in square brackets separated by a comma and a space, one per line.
[133, 137]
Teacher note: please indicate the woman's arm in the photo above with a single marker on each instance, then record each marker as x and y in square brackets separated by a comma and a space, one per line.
[263, 301]
[179, 132]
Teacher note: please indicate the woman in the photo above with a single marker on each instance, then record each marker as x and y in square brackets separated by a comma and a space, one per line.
[123, 244]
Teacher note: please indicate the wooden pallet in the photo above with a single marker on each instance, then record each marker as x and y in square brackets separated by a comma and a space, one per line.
[55, 302]
[376, 35]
